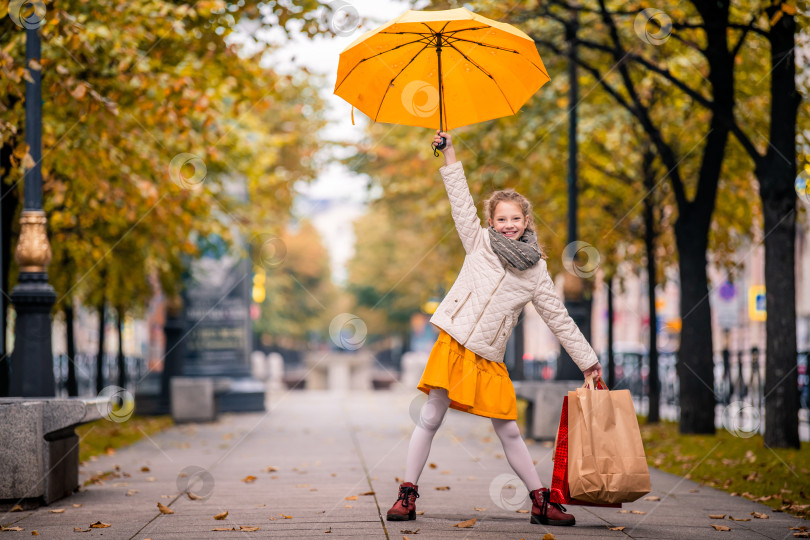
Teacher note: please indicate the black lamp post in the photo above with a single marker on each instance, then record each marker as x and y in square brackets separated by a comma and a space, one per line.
[577, 302]
[33, 297]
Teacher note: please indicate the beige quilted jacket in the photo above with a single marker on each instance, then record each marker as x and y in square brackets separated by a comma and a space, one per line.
[483, 305]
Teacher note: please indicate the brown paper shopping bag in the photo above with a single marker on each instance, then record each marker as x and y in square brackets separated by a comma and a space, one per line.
[606, 460]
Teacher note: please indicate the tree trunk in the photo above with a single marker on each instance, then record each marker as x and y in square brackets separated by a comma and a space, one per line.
[122, 368]
[776, 175]
[100, 356]
[695, 363]
[72, 383]
[654, 396]
[611, 362]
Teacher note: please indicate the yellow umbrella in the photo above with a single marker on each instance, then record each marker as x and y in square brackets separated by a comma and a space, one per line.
[445, 68]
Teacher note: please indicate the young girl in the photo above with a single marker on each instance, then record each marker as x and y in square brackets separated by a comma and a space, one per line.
[503, 270]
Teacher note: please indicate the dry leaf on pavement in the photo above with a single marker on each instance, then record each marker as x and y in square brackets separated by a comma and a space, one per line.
[717, 516]
[223, 515]
[652, 498]
[616, 528]
[420, 512]
[432, 465]
[522, 511]
[408, 531]
[99, 525]
[732, 518]
[477, 509]
[11, 528]
[17, 508]
[721, 528]
[79, 529]
[443, 488]
[164, 509]
[58, 511]
[760, 515]
[145, 469]
[352, 498]
[271, 468]
[249, 479]
[549, 536]
[465, 524]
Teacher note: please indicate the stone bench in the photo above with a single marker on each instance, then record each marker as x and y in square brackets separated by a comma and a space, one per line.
[545, 400]
[39, 449]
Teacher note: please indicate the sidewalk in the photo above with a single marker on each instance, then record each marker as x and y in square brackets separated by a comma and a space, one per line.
[330, 449]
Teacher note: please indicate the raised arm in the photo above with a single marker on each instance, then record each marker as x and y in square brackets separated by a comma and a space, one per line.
[462, 206]
[553, 312]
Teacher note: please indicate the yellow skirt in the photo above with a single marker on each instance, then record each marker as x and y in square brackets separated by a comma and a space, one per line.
[474, 384]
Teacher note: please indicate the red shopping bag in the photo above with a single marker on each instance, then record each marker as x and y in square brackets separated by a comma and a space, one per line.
[559, 478]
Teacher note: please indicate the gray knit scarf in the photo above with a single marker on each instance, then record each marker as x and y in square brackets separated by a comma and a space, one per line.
[522, 253]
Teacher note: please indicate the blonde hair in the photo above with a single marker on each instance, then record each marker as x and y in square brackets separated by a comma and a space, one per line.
[512, 196]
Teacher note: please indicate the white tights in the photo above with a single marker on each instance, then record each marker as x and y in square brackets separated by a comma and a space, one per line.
[430, 418]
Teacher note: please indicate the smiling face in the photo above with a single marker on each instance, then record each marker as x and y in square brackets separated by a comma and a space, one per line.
[508, 219]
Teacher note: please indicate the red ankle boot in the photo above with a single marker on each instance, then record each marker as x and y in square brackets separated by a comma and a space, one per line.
[405, 507]
[546, 512]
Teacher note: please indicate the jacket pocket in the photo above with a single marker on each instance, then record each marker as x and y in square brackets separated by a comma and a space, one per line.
[501, 332]
[458, 304]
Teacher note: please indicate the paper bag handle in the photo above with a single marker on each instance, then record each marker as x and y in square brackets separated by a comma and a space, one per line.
[597, 383]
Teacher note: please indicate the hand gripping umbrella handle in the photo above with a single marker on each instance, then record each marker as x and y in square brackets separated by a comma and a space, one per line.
[441, 146]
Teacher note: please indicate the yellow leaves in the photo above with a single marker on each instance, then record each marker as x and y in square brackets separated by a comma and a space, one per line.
[222, 515]
[164, 509]
[465, 524]
[100, 525]
[249, 479]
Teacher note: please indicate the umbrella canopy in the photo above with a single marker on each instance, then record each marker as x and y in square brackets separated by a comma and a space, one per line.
[442, 69]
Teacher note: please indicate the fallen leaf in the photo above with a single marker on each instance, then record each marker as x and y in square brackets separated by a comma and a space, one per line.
[477, 509]
[549, 536]
[652, 498]
[347, 506]
[164, 509]
[717, 516]
[34, 533]
[721, 528]
[398, 480]
[352, 498]
[616, 528]
[408, 531]
[58, 511]
[77, 506]
[760, 515]
[732, 518]
[432, 465]
[11, 528]
[443, 488]
[99, 525]
[637, 512]
[624, 511]
[249, 479]
[145, 469]
[193, 496]
[285, 517]
[17, 508]
[248, 528]
[79, 529]
[271, 468]
[368, 493]
[522, 511]
[223, 515]
[420, 512]
[465, 524]
[131, 492]
[328, 530]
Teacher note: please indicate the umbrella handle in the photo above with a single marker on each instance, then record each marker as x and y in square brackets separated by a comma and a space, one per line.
[441, 146]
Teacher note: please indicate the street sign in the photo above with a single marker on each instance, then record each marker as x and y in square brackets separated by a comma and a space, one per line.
[756, 303]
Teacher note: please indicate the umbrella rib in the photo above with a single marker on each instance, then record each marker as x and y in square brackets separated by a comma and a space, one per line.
[374, 56]
[382, 100]
[485, 72]
[466, 29]
[502, 49]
